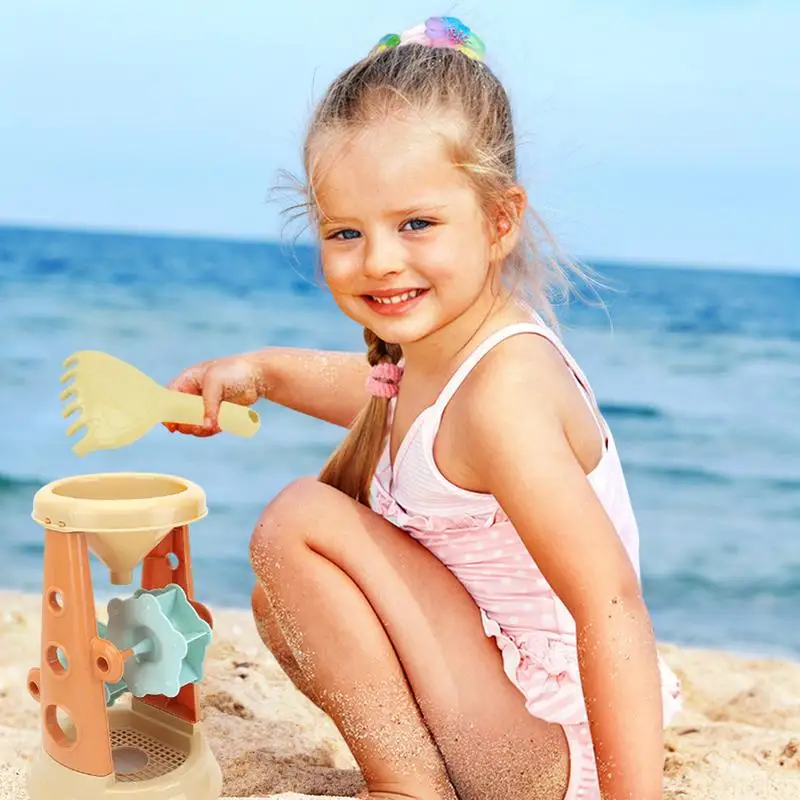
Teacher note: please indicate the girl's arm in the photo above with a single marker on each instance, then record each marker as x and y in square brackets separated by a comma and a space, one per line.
[516, 446]
[328, 385]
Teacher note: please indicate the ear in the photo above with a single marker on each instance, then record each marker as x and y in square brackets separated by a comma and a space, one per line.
[506, 222]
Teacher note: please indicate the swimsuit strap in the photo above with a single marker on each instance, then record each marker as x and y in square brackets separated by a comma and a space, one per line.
[493, 340]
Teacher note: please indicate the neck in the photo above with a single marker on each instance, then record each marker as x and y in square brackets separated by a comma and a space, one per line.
[446, 347]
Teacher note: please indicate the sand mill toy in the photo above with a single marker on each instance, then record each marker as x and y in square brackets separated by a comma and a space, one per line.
[119, 700]
[95, 744]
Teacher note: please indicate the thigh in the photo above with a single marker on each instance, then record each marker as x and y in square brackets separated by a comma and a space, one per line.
[493, 747]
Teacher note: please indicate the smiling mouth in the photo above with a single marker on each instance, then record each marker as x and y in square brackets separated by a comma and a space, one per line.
[394, 299]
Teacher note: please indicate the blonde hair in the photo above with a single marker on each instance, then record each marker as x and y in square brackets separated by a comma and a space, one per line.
[427, 80]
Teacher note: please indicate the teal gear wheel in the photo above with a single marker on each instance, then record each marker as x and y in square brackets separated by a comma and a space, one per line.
[168, 637]
[113, 690]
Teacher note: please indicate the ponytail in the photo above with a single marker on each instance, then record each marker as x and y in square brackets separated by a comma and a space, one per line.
[352, 465]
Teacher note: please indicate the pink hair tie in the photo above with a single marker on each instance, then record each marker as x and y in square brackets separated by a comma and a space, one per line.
[384, 380]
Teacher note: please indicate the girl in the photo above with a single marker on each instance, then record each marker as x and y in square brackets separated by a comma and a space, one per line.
[459, 589]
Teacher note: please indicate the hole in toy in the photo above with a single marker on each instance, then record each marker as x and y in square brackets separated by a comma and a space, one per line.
[56, 601]
[128, 760]
[60, 726]
[33, 688]
[102, 664]
[173, 562]
[57, 659]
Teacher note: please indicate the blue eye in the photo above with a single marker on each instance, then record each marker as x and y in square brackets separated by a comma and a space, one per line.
[349, 234]
[342, 234]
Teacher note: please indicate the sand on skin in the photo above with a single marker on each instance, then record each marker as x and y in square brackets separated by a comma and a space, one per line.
[737, 739]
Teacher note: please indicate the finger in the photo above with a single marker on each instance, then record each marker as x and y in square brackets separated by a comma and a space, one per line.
[213, 390]
[190, 381]
[194, 430]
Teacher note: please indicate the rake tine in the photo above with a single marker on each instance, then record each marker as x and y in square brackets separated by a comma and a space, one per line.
[82, 447]
[76, 426]
[70, 390]
[70, 373]
[70, 360]
[74, 406]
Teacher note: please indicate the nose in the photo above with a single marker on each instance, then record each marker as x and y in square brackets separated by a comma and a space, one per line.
[383, 256]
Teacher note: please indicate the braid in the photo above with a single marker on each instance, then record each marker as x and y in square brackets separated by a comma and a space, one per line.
[379, 351]
[352, 465]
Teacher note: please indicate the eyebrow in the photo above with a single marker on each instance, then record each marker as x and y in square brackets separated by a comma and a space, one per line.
[416, 207]
[399, 212]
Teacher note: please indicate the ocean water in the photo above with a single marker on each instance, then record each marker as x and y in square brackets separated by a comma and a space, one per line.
[698, 373]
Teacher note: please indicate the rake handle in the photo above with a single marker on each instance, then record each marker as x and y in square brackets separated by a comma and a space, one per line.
[188, 409]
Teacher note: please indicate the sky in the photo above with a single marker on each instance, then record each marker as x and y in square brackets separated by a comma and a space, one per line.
[650, 131]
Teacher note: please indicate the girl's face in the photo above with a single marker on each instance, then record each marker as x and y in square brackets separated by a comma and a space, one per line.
[405, 246]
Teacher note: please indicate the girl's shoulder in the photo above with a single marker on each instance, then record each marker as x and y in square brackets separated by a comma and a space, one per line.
[521, 366]
[527, 383]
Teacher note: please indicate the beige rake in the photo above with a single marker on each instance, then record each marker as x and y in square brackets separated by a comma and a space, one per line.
[118, 404]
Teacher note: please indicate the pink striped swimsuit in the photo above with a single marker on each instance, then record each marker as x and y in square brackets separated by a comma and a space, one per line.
[469, 533]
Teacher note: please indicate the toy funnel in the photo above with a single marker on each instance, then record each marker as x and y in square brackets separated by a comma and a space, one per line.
[124, 515]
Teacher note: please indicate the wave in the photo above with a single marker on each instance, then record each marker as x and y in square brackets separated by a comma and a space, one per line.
[48, 265]
[693, 475]
[693, 586]
[630, 411]
[13, 484]
[709, 477]
[34, 549]
[783, 484]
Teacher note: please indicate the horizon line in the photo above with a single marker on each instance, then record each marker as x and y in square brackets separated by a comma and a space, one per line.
[151, 233]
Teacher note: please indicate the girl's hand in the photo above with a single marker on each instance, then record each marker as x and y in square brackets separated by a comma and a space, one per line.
[235, 379]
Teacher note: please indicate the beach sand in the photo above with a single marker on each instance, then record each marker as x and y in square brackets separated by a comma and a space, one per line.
[738, 737]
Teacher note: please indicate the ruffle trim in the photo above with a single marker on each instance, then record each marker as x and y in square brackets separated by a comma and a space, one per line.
[544, 666]
[385, 505]
[544, 663]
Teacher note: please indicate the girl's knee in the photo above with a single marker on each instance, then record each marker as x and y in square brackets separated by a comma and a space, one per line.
[283, 522]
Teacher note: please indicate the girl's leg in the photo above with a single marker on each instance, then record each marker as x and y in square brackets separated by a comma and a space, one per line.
[389, 643]
[272, 636]
[330, 643]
